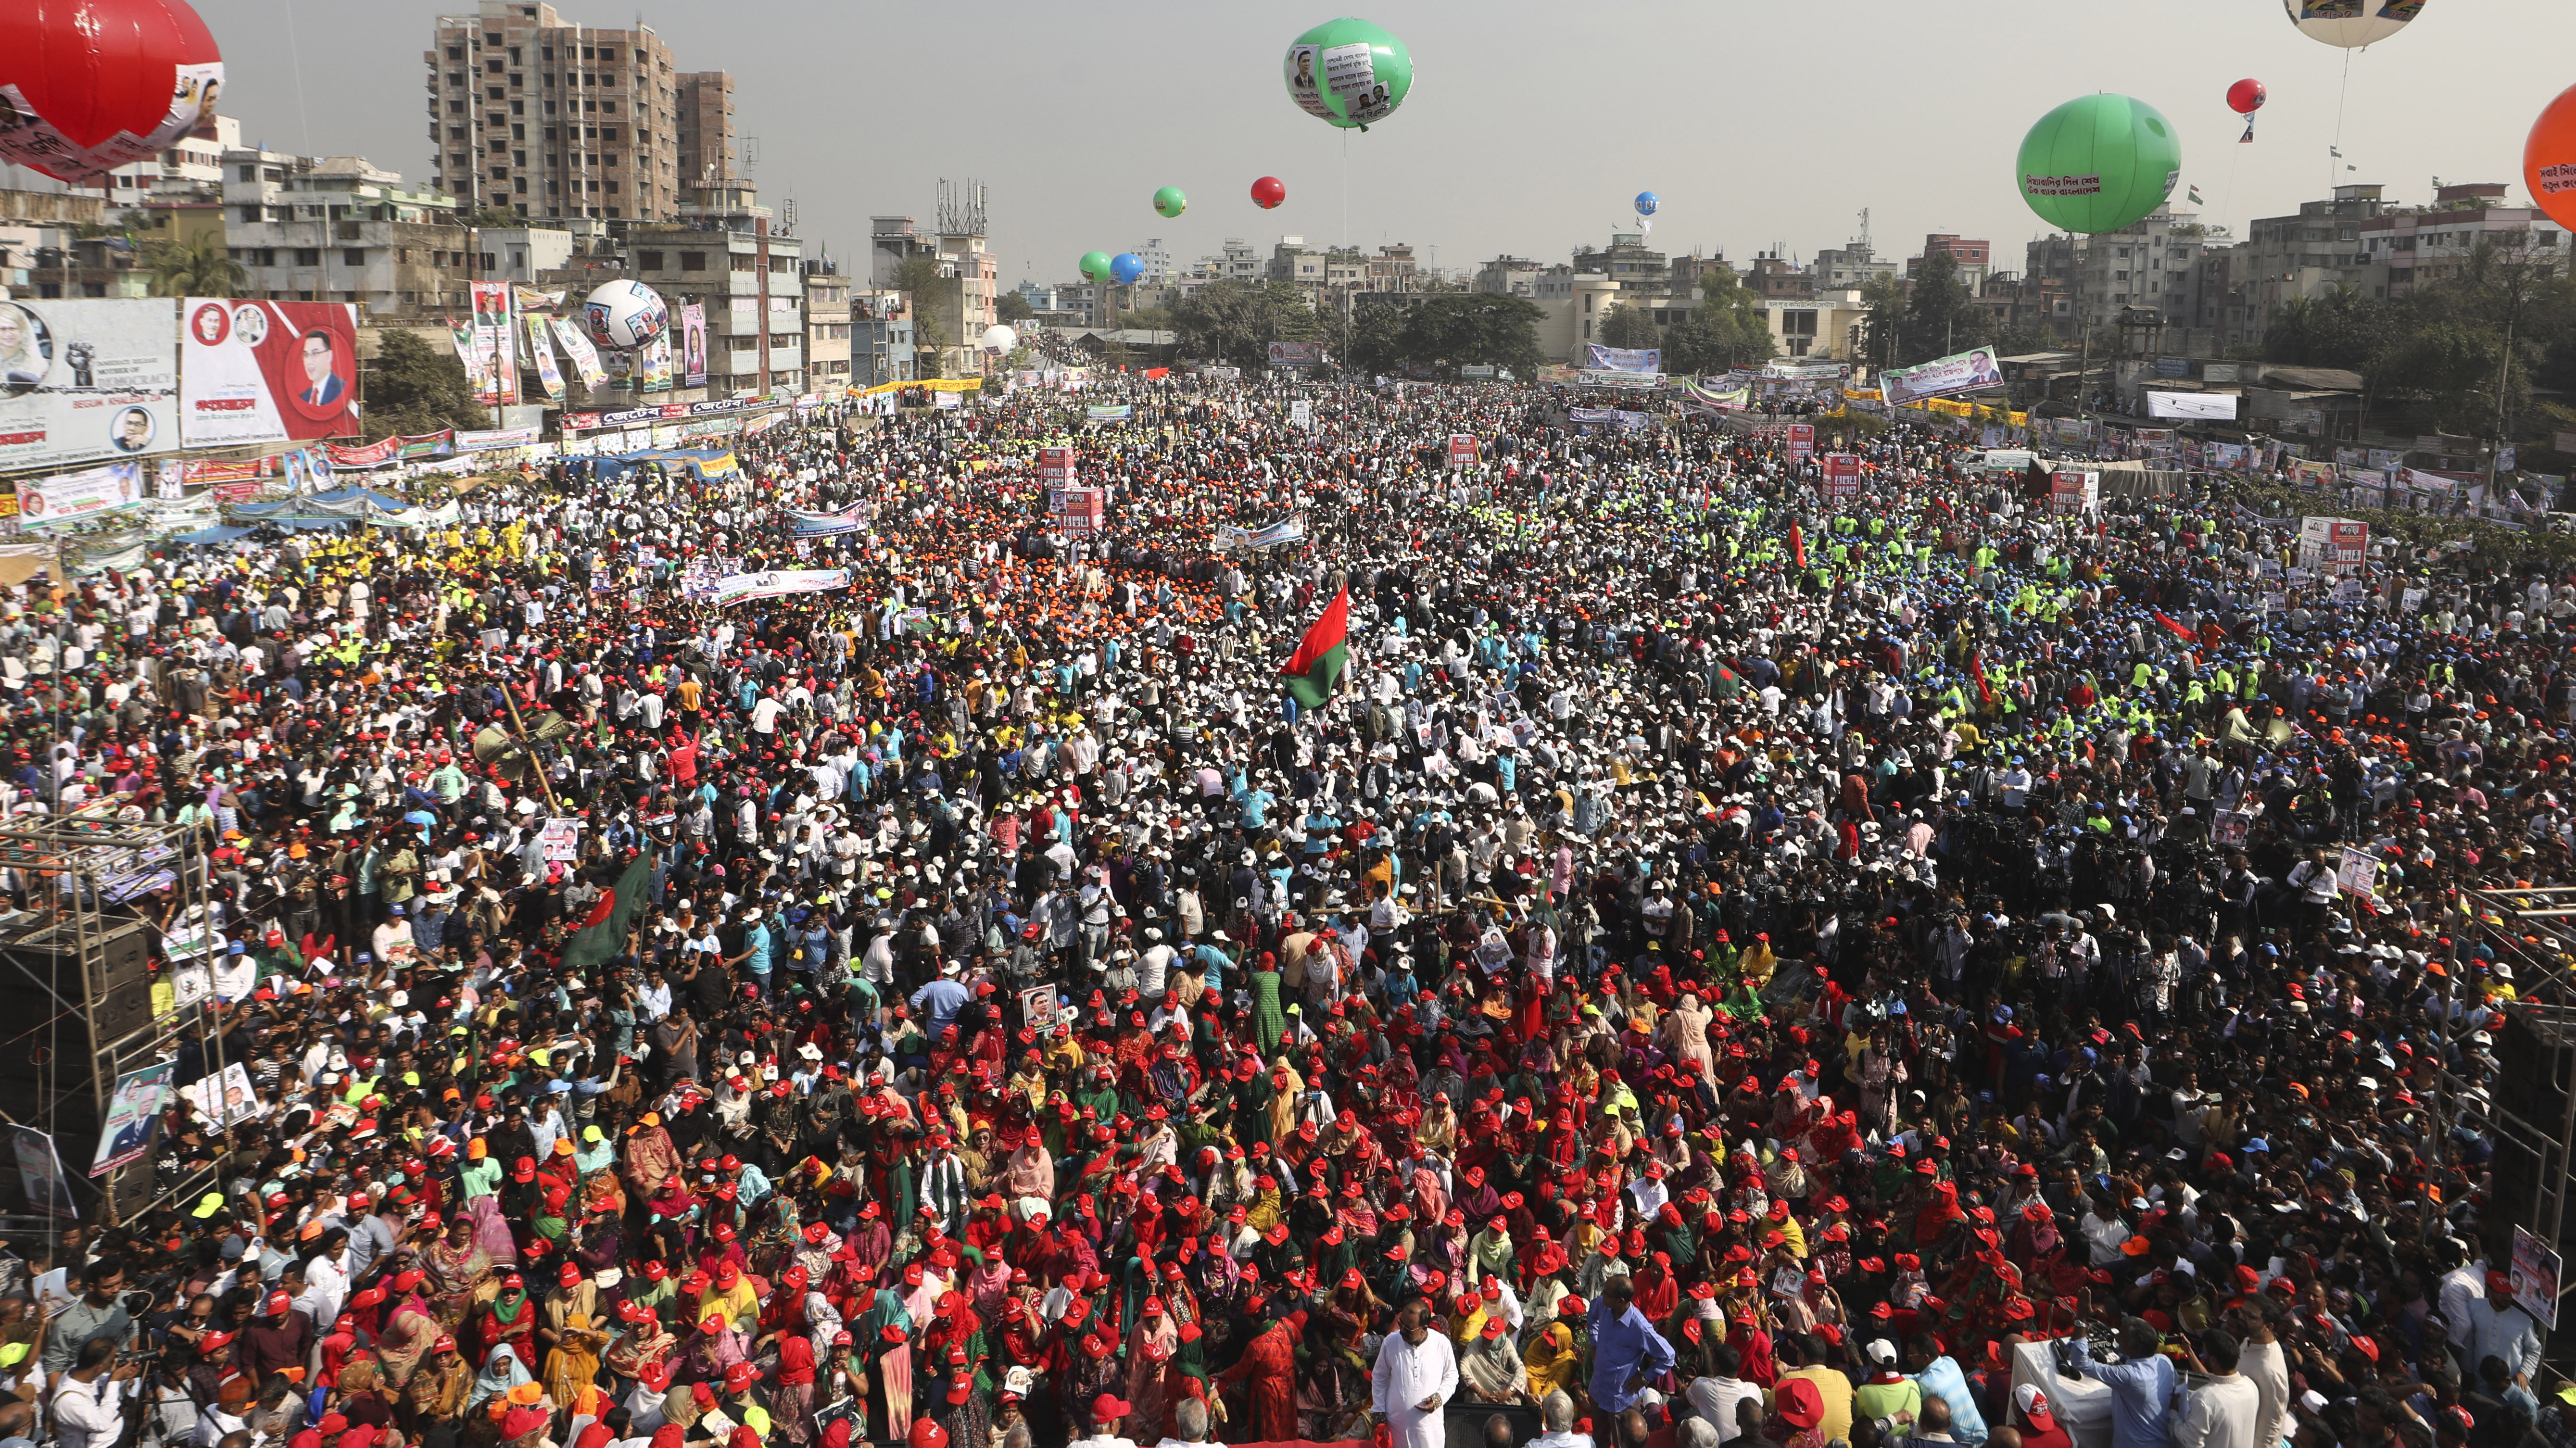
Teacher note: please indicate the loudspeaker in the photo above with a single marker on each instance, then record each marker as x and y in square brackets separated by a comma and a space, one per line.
[2537, 1054]
[66, 1032]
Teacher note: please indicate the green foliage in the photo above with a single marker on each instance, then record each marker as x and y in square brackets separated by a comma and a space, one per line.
[1377, 339]
[1885, 337]
[1235, 321]
[1460, 329]
[1630, 326]
[413, 387]
[198, 268]
[1729, 329]
[1940, 316]
[499, 218]
[1012, 307]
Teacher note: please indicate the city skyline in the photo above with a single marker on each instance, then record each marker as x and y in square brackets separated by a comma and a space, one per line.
[1469, 166]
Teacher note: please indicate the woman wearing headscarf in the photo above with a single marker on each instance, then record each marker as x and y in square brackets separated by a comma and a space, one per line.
[572, 1367]
[458, 1270]
[502, 1371]
[441, 1388]
[510, 1317]
[1267, 1369]
[410, 1329]
[791, 1399]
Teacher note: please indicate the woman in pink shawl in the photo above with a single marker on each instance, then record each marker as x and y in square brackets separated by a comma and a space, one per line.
[1150, 1344]
[457, 1266]
[409, 1330]
[987, 1283]
[1683, 1033]
[1030, 1171]
[1430, 1198]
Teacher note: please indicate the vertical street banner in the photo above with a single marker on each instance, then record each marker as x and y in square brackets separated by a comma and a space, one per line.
[693, 345]
[40, 1172]
[496, 342]
[1802, 441]
[266, 371]
[87, 380]
[478, 371]
[585, 357]
[542, 352]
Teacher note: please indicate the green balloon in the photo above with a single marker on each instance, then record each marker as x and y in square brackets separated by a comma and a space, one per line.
[1170, 202]
[1095, 266]
[1348, 72]
[2099, 163]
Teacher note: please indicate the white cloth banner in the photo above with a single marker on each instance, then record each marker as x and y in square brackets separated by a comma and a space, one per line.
[2219, 406]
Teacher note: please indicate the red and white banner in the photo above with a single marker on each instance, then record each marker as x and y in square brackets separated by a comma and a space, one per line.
[1462, 450]
[266, 371]
[1055, 467]
[1842, 478]
[1802, 441]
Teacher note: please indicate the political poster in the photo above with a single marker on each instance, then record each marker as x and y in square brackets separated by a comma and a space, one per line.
[2199, 406]
[1078, 511]
[542, 353]
[40, 1172]
[1038, 1011]
[66, 498]
[1104, 412]
[693, 345]
[1301, 413]
[1624, 359]
[1797, 372]
[258, 372]
[496, 344]
[2072, 491]
[1055, 467]
[2356, 872]
[585, 357]
[125, 1133]
[1842, 478]
[1802, 441]
[1961, 372]
[1296, 354]
[1230, 537]
[559, 838]
[226, 1100]
[2229, 828]
[1462, 449]
[1606, 417]
[87, 380]
[653, 365]
[2535, 1273]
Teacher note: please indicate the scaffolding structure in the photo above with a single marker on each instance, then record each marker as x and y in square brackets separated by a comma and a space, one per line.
[87, 878]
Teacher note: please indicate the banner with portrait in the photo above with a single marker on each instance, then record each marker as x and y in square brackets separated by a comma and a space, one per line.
[585, 357]
[653, 365]
[67, 498]
[87, 380]
[496, 343]
[1960, 372]
[1625, 359]
[266, 371]
[693, 345]
[542, 353]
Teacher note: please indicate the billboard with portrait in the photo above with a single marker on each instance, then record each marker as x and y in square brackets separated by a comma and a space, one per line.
[693, 345]
[87, 380]
[1960, 372]
[66, 498]
[266, 371]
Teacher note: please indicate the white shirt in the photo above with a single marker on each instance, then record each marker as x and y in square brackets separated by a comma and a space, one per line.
[1717, 1401]
[2220, 1415]
[1406, 1374]
[89, 1413]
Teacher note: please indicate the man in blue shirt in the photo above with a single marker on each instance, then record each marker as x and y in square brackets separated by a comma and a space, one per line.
[1939, 1377]
[2142, 1387]
[941, 1000]
[755, 950]
[1627, 1352]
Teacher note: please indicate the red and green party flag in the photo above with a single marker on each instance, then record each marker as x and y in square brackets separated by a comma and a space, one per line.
[1321, 655]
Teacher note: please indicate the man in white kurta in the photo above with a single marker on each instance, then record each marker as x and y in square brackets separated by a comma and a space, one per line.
[1416, 1376]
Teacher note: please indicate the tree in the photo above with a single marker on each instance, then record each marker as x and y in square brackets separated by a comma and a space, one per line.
[1461, 329]
[2340, 328]
[1377, 339]
[919, 277]
[1885, 296]
[1012, 307]
[199, 266]
[413, 388]
[1630, 326]
[1236, 320]
[1940, 316]
[499, 218]
[1729, 329]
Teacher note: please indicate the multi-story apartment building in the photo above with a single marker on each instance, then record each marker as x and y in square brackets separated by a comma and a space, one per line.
[725, 251]
[552, 120]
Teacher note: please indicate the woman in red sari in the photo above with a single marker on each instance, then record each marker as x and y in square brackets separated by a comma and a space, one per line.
[1268, 1371]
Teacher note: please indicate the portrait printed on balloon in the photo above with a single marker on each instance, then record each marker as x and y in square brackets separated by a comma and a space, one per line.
[1303, 82]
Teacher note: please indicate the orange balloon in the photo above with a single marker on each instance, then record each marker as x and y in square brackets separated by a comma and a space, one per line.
[2549, 159]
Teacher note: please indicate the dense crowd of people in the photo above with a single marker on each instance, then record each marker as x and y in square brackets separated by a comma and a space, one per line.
[1715, 965]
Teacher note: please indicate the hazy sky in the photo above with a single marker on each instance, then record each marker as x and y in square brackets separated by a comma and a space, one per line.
[1529, 127]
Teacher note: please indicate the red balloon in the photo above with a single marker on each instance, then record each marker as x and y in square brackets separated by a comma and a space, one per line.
[1268, 192]
[2246, 97]
[91, 85]
[2549, 159]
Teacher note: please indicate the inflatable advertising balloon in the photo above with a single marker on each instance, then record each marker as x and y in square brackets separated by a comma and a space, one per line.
[1268, 192]
[1095, 266]
[1000, 339]
[2549, 159]
[2245, 98]
[624, 315]
[1126, 268]
[87, 86]
[1170, 202]
[1348, 72]
[2351, 23]
[1647, 201]
[2099, 163]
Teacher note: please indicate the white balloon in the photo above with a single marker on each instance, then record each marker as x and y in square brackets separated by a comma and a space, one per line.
[624, 315]
[1000, 339]
[2351, 23]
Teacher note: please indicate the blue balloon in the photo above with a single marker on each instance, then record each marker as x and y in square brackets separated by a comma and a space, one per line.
[1647, 201]
[1126, 267]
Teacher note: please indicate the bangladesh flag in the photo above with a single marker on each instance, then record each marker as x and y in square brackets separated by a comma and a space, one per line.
[1321, 656]
[603, 932]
